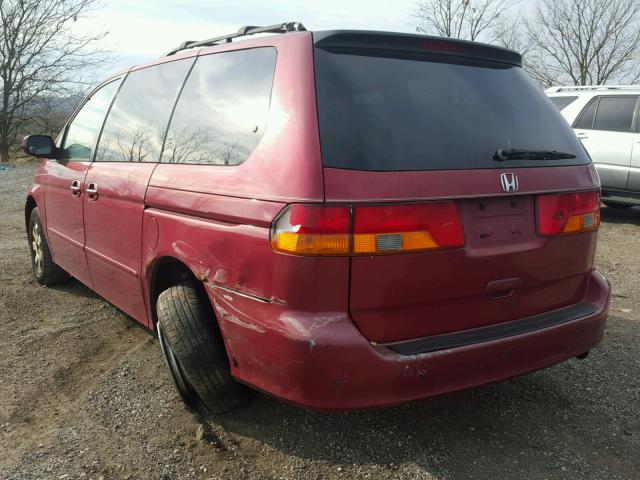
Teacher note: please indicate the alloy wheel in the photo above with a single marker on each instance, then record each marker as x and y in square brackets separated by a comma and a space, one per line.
[37, 249]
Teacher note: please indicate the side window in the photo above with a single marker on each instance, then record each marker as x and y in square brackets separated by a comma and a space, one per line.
[562, 102]
[615, 114]
[138, 119]
[84, 129]
[585, 120]
[223, 108]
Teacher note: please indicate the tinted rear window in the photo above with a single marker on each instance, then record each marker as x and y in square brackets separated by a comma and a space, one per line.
[562, 102]
[424, 113]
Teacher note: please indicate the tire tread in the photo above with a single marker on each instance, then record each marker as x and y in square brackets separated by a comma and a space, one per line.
[189, 327]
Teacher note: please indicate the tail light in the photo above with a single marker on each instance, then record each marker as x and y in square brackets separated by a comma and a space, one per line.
[565, 213]
[406, 228]
[367, 230]
[313, 230]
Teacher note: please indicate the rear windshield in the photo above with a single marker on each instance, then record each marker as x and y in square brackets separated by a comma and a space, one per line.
[384, 113]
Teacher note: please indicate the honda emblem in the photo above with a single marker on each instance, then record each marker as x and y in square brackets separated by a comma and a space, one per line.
[509, 182]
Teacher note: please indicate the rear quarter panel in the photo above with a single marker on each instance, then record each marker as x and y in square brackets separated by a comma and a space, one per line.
[215, 219]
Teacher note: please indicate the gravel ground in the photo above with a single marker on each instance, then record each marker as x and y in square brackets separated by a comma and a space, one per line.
[84, 395]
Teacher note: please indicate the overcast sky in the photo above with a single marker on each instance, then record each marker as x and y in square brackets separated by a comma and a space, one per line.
[143, 30]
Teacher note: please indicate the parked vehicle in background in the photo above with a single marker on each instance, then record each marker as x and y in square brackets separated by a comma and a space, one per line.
[341, 219]
[606, 119]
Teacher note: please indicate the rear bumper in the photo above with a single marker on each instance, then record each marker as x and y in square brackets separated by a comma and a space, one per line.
[322, 361]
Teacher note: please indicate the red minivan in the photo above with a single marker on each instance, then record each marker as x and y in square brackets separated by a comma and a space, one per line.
[340, 219]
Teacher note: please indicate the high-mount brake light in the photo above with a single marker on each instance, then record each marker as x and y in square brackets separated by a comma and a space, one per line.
[441, 46]
[566, 213]
[367, 229]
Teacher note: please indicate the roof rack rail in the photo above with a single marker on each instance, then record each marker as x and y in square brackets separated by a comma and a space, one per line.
[571, 88]
[242, 31]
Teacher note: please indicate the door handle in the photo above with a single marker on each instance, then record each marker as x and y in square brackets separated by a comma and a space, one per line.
[503, 288]
[76, 189]
[92, 191]
[582, 135]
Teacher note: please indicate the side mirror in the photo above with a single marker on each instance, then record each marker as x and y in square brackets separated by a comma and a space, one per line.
[39, 146]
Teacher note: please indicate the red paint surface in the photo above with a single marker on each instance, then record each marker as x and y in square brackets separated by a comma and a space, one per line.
[113, 231]
[64, 216]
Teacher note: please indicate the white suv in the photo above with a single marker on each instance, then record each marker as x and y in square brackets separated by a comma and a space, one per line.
[607, 121]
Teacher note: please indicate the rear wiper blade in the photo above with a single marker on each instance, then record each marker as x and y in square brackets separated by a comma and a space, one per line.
[505, 154]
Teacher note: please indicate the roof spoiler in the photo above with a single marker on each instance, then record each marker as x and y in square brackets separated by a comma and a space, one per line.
[405, 42]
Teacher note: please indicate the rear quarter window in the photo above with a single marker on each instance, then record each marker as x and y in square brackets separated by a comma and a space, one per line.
[562, 102]
[222, 111]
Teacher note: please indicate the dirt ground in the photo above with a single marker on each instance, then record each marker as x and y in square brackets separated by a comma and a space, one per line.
[84, 395]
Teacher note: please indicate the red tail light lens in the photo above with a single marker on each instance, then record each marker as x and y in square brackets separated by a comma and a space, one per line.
[566, 213]
[406, 228]
[313, 230]
[327, 230]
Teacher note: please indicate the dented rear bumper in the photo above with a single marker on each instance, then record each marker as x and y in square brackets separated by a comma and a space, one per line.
[322, 361]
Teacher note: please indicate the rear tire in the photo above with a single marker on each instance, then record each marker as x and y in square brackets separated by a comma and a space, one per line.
[199, 367]
[620, 206]
[184, 387]
[44, 268]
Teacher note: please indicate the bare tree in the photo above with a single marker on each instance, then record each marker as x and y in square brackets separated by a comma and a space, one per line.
[50, 113]
[137, 144]
[229, 153]
[189, 145]
[588, 41]
[465, 19]
[511, 32]
[40, 55]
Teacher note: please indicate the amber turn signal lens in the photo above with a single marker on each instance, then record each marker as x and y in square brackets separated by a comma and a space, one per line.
[393, 242]
[311, 244]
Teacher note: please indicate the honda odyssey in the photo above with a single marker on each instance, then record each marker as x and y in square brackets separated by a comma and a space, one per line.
[339, 219]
